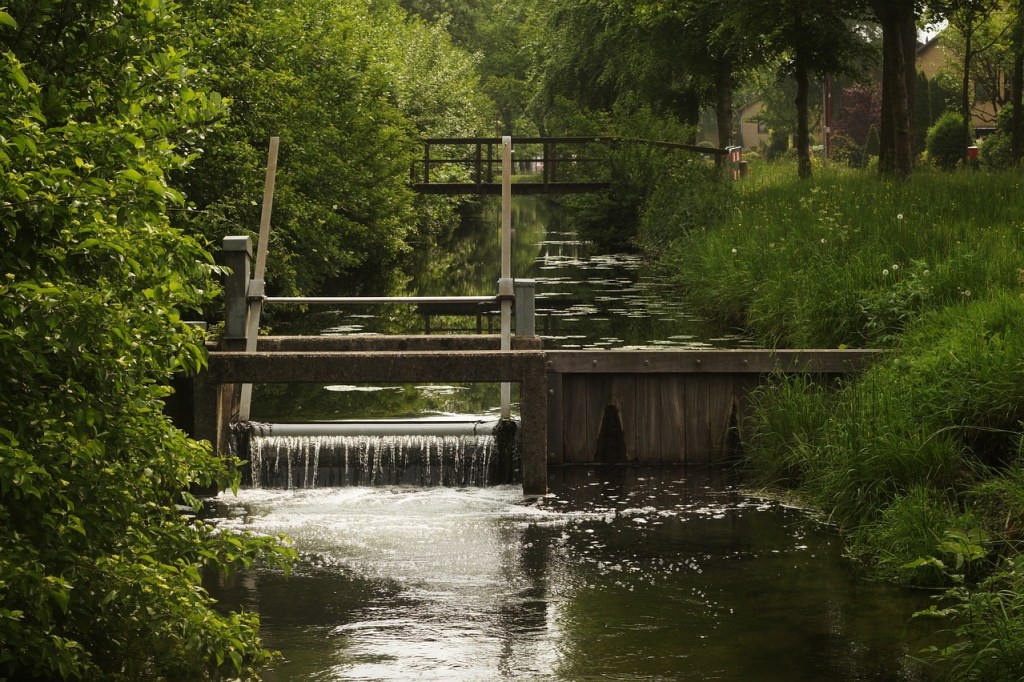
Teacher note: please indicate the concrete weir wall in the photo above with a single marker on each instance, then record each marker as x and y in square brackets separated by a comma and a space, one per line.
[382, 360]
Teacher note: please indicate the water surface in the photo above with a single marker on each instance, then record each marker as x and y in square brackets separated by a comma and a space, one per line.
[619, 574]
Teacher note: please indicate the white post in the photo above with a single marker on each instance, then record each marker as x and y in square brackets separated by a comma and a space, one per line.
[256, 286]
[505, 288]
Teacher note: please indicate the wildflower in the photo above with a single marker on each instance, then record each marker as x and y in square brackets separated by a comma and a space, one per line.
[885, 272]
[822, 240]
[895, 267]
[734, 250]
[967, 293]
[899, 216]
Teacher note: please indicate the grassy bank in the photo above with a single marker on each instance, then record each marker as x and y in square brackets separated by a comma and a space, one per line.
[918, 460]
[847, 258]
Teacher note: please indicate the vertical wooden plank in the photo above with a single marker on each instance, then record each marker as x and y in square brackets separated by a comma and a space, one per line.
[533, 391]
[698, 441]
[672, 426]
[595, 398]
[574, 419]
[721, 399]
[556, 438]
[478, 170]
[649, 415]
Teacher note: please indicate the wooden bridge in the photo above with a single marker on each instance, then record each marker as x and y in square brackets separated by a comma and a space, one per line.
[541, 165]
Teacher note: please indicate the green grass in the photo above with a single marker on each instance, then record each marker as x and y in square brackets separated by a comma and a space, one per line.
[848, 258]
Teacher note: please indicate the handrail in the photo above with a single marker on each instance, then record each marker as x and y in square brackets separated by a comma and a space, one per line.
[372, 300]
[597, 139]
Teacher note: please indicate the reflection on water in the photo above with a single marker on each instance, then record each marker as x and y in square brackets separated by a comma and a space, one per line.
[619, 574]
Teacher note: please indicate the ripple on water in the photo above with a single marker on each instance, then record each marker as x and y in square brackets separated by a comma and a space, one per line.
[614, 575]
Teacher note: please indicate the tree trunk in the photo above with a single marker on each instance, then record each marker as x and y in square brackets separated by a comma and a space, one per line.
[965, 97]
[803, 138]
[898, 21]
[910, 78]
[723, 105]
[1017, 86]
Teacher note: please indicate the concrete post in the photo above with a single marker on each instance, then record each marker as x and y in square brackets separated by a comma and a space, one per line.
[237, 257]
[526, 323]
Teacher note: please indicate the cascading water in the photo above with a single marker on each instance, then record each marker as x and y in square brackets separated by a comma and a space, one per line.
[358, 460]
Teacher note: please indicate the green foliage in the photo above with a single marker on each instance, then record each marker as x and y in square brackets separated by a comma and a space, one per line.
[918, 535]
[872, 146]
[923, 115]
[845, 150]
[99, 569]
[996, 149]
[655, 191]
[986, 625]
[925, 442]
[778, 145]
[788, 415]
[946, 142]
[348, 85]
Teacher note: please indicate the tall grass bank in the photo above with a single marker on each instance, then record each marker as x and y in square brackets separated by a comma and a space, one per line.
[845, 259]
[919, 460]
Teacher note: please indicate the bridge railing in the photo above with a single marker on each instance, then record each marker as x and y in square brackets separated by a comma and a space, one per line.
[576, 163]
[550, 159]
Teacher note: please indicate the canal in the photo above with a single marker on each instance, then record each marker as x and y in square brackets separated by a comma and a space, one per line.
[620, 573]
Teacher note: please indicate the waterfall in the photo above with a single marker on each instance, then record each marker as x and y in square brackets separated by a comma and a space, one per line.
[328, 460]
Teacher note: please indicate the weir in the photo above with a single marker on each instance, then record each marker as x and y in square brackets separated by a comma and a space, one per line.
[422, 452]
[310, 461]
[678, 407]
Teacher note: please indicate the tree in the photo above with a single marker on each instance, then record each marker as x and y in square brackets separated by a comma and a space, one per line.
[1017, 86]
[815, 37]
[967, 17]
[856, 111]
[99, 569]
[611, 51]
[344, 216]
[898, 19]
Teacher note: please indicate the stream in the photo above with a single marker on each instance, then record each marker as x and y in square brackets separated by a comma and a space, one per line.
[619, 573]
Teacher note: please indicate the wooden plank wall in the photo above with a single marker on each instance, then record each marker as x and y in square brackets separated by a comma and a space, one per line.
[671, 407]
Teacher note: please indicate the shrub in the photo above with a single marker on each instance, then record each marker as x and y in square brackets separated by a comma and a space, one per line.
[996, 151]
[778, 145]
[100, 571]
[946, 142]
[846, 150]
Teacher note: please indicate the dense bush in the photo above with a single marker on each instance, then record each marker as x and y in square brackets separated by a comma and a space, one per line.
[996, 149]
[845, 150]
[99, 568]
[641, 173]
[946, 142]
[926, 441]
[349, 86]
